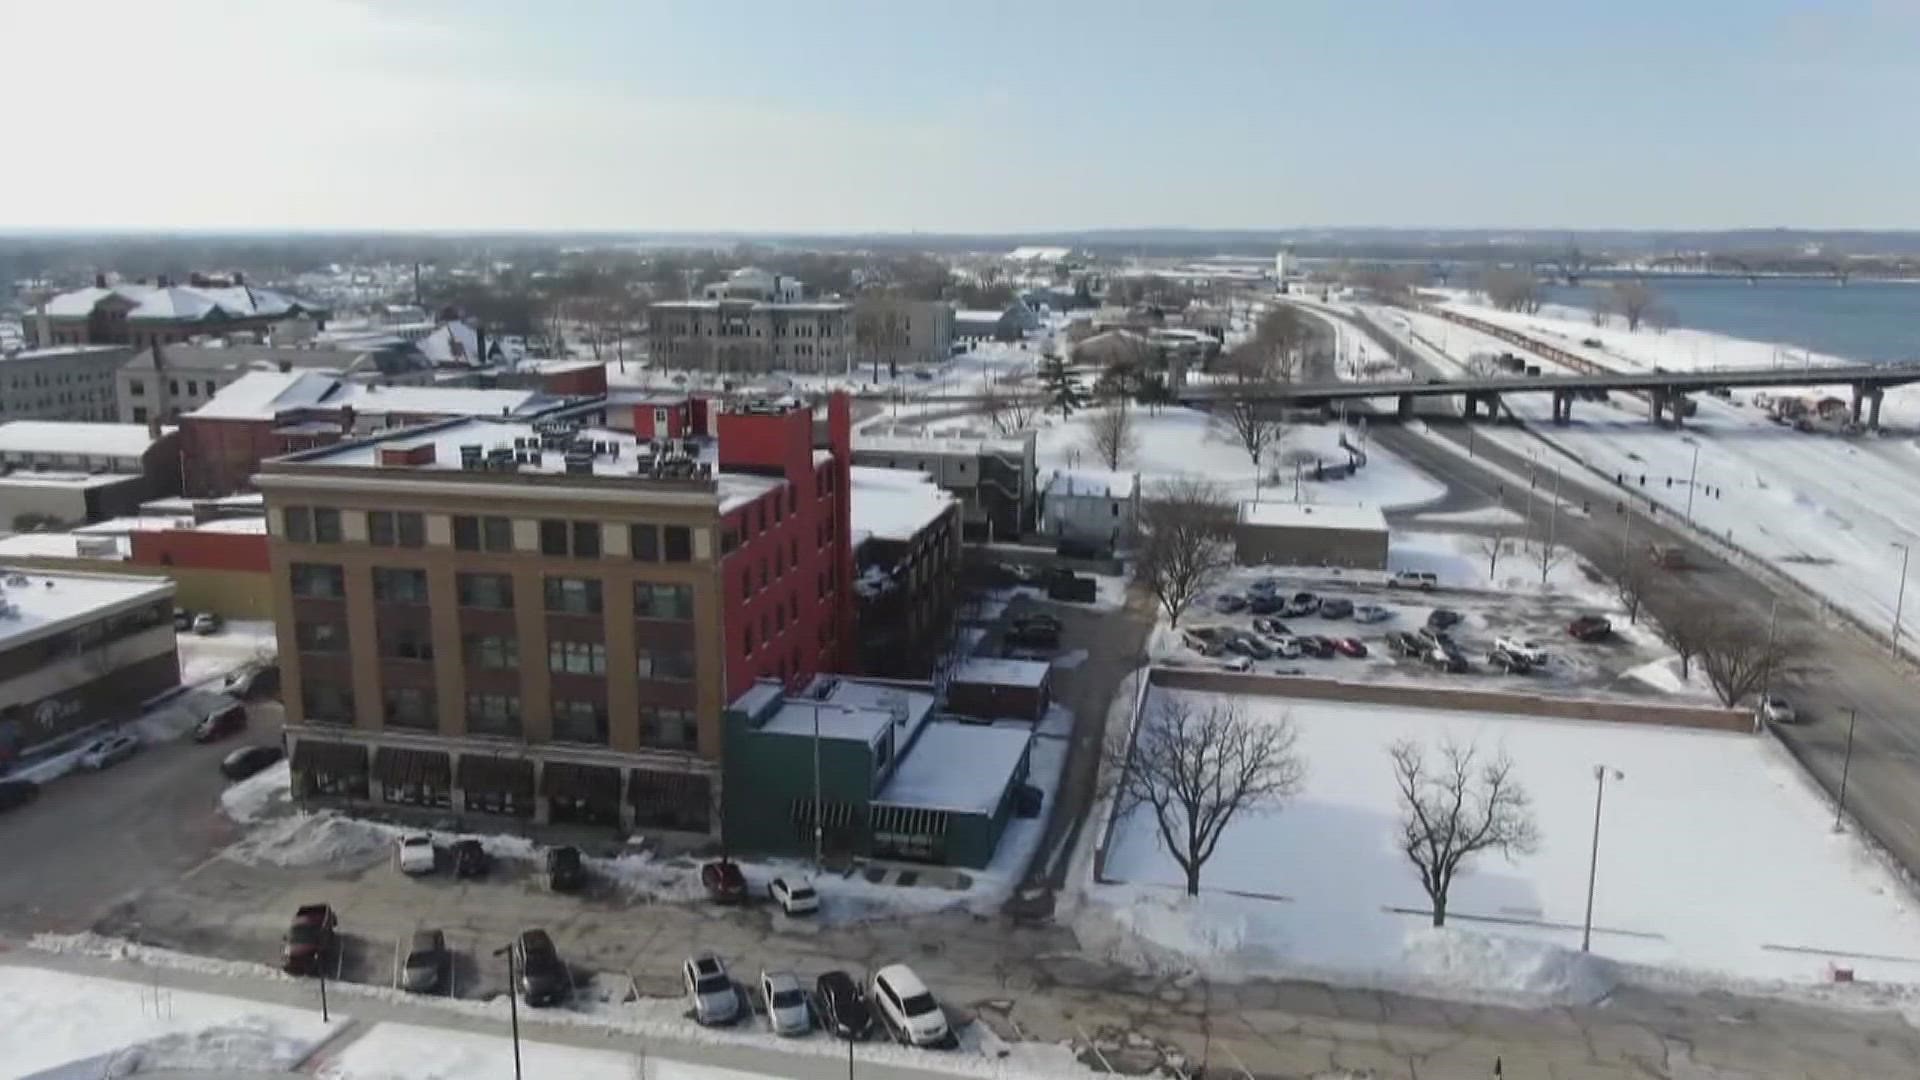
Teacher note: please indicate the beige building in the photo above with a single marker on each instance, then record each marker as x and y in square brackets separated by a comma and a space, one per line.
[1310, 534]
[894, 331]
[164, 381]
[65, 382]
[752, 322]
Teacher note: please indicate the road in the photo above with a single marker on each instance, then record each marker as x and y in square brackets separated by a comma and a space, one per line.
[1843, 671]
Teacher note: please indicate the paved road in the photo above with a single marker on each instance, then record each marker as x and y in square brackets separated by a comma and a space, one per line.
[1844, 670]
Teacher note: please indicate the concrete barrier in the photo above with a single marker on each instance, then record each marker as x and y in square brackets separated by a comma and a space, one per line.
[1503, 702]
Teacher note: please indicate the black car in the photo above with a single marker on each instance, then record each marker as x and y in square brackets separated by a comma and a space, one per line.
[1303, 603]
[426, 964]
[182, 619]
[543, 978]
[1442, 618]
[840, 1006]
[16, 793]
[248, 760]
[1265, 603]
[1336, 608]
[565, 872]
[469, 858]
[1405, 644]
[1320, 648]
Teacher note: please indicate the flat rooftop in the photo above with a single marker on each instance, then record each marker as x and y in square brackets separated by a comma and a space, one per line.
[959, 768]
[849, 709]
[38, 604]
[1352, 517]
[895, 504]
[81, 439]
[996, 671]
[1092, 482]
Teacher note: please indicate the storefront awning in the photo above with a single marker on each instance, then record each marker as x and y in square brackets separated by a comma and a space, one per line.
[592, 783]
[500, 775]
[654, 790]
[332, 758]
[402, 767]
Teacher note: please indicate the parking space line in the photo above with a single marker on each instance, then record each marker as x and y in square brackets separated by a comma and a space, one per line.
[203, 864]
[396, 963]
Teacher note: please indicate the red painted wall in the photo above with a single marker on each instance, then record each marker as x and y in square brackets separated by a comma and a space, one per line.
[586, 381]
[679, 419]
[193, 549]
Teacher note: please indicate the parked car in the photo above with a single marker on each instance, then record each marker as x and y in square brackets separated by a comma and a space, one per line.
[1317, 646]
[796, 896]
[1433, 636]
[710, 989]
[1287, 647]
[1336, 607]
[109, 750]
[254, 680]
[1534, 653]
[220, 723]
[1509, 662]
[786, 1003]
[1448, 660]
[1228, 603]
[182, 619]
[1776, 709]
[1443, 618]
[1350, 646]
[1372, 613]
[565, 872]
[1265, 603]
[208, 622]
[248, 760]
[1302, 603]
[17, 793]
[1413, 579]
[415, 854]
[1038, 622]
[1199, 640]
[1590, 628]
[426, 962]
[724, 882]
[544, 980]
[907, 1006]
[1406, 644]
[469, 858]
[310, 939]
[842, 1006]
[1237, 664]
[1249, 646]
[1266, 586]
[1271, 628]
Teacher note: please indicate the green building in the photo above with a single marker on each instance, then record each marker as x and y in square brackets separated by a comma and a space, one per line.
[894, 781]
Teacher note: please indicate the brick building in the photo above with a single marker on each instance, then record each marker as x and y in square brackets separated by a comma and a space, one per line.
[139, 314]
[906, 534]
[752, 322]
[62, 382]
[544, 622]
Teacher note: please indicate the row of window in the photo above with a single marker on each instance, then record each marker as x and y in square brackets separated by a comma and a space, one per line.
[493, 592]
[407, 529]
[575, 720]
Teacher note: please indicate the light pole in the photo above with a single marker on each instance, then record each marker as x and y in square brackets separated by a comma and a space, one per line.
[1593, 861]
[819, 818]
[1553, 528]
[513, 1005]
[1846, 766]
[1900, 597]
[1691, 470]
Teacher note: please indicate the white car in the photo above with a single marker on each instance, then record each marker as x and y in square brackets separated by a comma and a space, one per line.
[786, 1003]
[907, 1006]
[710, 989]
[1237, 663]
[1286, 647]
[106, 751]
[1531, 651]
[415, 854]
[796, 896]
[1776, 709]
[1413, 579]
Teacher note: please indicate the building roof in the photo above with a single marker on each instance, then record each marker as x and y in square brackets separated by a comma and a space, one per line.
[189, 303]
[92, 440]
[1313, 516]
[64, 545]
[980, 315]
[995, 671]
[846, 709]
[973, 445]
[55, 351]
[1092, 482]
[55, 478]
[36, 604]
[217, 356]
[895, 504]
[264, 395]
[960, 768]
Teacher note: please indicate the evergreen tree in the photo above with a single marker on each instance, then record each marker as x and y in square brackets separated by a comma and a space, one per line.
[1063, 394]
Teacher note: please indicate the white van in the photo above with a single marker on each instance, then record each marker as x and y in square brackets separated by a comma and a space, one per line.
[908, 1006]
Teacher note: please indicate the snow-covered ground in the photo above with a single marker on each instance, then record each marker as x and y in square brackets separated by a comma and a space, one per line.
[1717, 865]
[214, 655]
[410, 1052]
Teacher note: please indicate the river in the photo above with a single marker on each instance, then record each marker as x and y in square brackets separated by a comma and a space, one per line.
[1875, 321]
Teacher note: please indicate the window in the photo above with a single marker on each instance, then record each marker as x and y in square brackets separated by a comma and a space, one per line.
[483, 533]
[645, 542]
[493, 652]
[746, 581]
[673, 729]
[579, 721]
[779, 561]
[173, 387]
[137, 387]
[493, 714]
[319, 637]
[759, 518]
[326, 525]
[662, 601]
[779, 511]
[586, 539]
[493, 592]
[763, 571]
[406, 643]
[679, 543]
[318, 581]
[193, 388]
[409, 706]
[573, 596]
[326, 702]
[671, 665]
[399, 586]
[793, 550]
[299, 524]
[139, 414]
[553, 537]
[747, 640]
[396, 528]
[577, 657]
[466, 533]
[779, 618]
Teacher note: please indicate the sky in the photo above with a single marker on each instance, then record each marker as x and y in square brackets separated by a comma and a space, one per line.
[944, 116]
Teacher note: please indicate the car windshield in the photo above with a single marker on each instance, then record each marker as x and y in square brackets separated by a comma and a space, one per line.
[712, 984]
[918, 1005]
[802, 893]
[305, 934]
[788, 999]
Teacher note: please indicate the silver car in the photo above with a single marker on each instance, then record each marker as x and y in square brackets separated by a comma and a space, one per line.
[108, 751]
[711, 989]
[786, 1003]
[426, 961]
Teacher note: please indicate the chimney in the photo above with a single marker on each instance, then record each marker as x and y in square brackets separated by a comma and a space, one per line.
[153, 426]
[99, 281]
[239, 279]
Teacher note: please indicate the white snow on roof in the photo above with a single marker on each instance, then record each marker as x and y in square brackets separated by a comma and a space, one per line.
[57, 437]
[452, 343]
[177, 301]
[78, 303]
[42, 603]
[63, 545]
[997, 671]
[978, 315]
[962, 768]
[122, 526]
[937, 444]
[50, 478]
[895, 504]
[1092, 482]
[253, 525]
[263, 395]
[853, 709]
[1312, 516]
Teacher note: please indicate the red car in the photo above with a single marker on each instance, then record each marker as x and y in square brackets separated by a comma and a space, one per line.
[1350, 646]
[309, 939]
[724, 882]
[1590, 628]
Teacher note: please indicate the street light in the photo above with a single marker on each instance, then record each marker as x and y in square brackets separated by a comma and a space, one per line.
[1691, 470]
[1593, 861]
[1900, 598]
[513, 1005]
[1846, 766]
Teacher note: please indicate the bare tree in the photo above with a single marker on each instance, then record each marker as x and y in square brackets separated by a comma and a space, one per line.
[1184, 542]
[1546, 555]
[1197, 767]
[1110, 433]
[1740, 660]
[1686, 627]
[1512, 289]
[1662, 318]
[1631, 578]
[1249, 421]
[1493, 547]
[1453, 809]
[1632, 299]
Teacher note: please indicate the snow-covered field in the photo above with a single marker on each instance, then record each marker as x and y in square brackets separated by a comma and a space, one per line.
[214, 655]
[1717, 865]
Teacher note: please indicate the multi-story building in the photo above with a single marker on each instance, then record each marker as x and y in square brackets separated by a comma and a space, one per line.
[75, 472]
[64, 382]
[752, 322]
[993, 478]
[163, 382]
[906, 536]
[889, 331]
[544, 622]
[76, 649]
[139, 314]
[1091, 509]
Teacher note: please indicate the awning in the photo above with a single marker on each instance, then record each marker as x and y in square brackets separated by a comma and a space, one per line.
[591, 783]
[838, 815]
[501, 775]
[400, 766]
[332, 758]
[652, 790]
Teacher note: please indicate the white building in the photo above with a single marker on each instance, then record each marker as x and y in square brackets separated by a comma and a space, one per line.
[1089, 507]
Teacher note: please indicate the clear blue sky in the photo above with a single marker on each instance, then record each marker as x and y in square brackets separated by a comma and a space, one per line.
[915, 115]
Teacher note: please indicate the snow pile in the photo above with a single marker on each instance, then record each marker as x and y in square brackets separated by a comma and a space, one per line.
[311, 839]
[410, 1052]
[208, 657]
[1508, 966]
[258, 796]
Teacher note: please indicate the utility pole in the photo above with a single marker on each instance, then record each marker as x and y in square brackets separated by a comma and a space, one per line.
[1553, 527]
[513, 1005]
[819, 816]
[1691, 471]
[1766, 674]
[1846, 766]
[1593, 859]
[1900, 598]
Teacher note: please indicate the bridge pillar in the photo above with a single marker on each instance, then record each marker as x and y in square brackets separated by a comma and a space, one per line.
[1471, 407]
[1874, 397]
[1492, 398]
[1859, 395]
[1405, 408]
[1658, 400]
[1562, 407]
